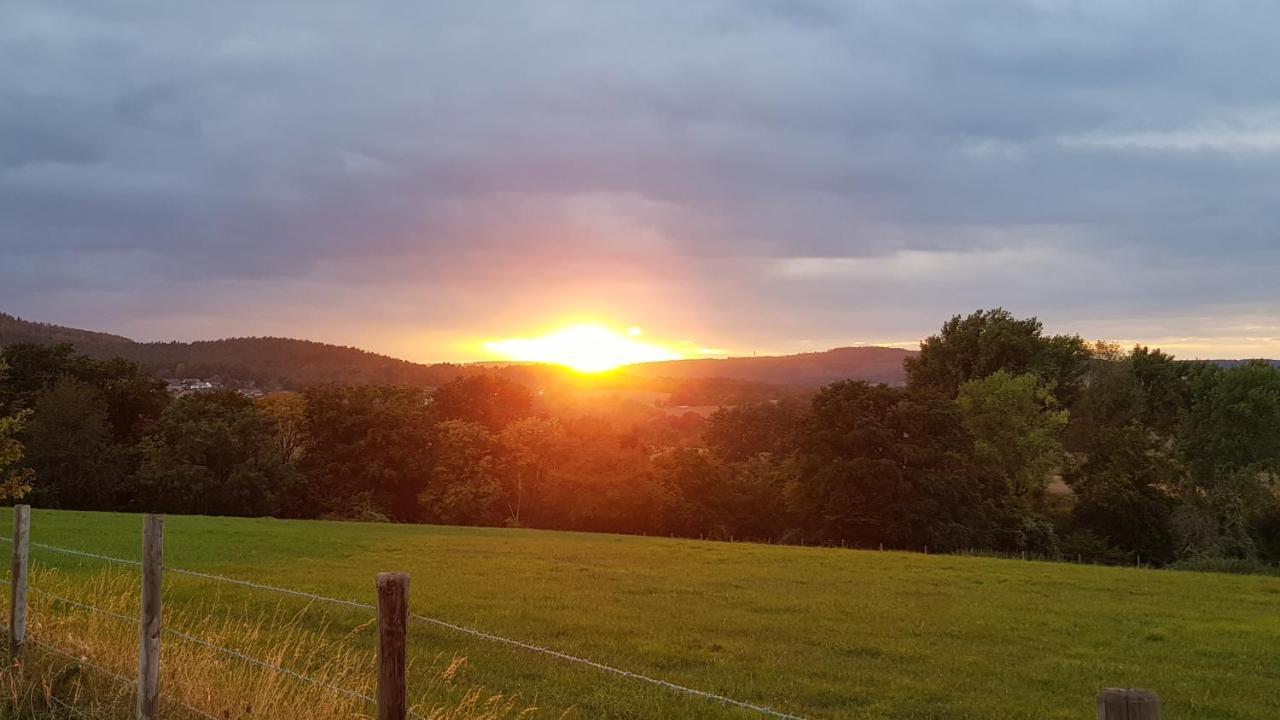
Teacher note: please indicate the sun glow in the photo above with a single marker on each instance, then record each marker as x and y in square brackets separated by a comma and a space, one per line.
[586, 348]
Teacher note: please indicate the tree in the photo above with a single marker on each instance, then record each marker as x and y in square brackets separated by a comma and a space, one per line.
[1016, 425]
[1233, 456]
[87, 417]
[489, 400]
[71, 448]
[975, 346]
[211, 454]
[15, 480]
[1125, 431]
[368, 448]
[530, 450]
[739, 433]
[465, 488]
[133, 399]
[602, 483]
[1233, 424]
[757, 493]
[1124, 492]
[694, 490]
[288, 414]
[883, 465]
[1166, 390]
[706, 496]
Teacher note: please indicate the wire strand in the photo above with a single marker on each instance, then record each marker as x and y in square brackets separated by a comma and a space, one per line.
[639, 677]
[83, 606]
[268, 666]
[110, 673]
[236, 654]
[721, 699]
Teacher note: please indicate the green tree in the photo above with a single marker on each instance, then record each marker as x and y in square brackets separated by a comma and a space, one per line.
[1233, 424]
[1124, 492]
[1016, 426]
[71, 448]
[758, 495]
[211, 454]
[367, 448]
[694, 489]
[977, 345]
[1125, 433]
[883, 465]
[288, 414]
[465, 487]
[1233, 456]
[133, 399]
[15, 479]
[707, 496]
[1166, 391]
[530, 451]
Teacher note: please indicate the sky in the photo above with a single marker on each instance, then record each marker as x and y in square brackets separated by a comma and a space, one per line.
[750, 176]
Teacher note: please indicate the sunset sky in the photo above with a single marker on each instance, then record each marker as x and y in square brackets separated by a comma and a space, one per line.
[428, 179]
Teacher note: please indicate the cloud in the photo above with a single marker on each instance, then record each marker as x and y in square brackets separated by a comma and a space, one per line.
[184, 170]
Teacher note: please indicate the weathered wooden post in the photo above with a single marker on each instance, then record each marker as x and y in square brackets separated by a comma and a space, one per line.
[149, 634]
[1126, 704]
[18, 581]
[393, 618]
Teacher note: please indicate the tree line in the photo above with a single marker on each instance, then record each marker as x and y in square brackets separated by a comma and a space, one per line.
[1003, 439]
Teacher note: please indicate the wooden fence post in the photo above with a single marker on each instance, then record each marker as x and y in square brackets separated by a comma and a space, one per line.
[18, 581]
[393, 618]
[1123, 704]
[149, 635]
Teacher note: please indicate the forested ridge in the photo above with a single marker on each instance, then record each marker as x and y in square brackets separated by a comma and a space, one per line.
[289, 364]
[1162, 461]
[267, 361]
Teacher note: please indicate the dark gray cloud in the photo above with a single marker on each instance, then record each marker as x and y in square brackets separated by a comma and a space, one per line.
[760, 174]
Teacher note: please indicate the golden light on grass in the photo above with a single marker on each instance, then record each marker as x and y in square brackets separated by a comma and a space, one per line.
[333, 651]
[585, 347]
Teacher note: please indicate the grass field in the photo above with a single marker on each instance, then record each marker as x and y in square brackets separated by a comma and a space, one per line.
[821, 633]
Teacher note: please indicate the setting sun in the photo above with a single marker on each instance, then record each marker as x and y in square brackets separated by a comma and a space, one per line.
[585, 348]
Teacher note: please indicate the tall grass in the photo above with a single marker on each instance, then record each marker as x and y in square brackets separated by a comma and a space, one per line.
[198, 680]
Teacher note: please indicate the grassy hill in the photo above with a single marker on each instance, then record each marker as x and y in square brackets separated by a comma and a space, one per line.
[821, 633]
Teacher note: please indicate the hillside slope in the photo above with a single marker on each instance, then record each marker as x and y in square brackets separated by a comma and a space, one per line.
[269, 361]
[288, 363]
[874, 364]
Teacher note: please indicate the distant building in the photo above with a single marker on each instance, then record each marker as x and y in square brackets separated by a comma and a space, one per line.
[179, 387]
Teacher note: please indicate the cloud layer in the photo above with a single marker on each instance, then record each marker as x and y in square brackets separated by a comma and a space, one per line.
[755, 175]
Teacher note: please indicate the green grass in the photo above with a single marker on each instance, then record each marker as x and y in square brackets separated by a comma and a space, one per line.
[816, 632]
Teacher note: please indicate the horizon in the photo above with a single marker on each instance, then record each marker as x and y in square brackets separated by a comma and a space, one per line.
[908, 346]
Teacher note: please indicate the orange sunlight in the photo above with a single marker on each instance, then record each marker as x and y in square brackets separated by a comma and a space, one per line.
[587, 348]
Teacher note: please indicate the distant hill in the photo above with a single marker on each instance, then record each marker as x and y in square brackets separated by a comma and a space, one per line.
[268, 361]
[274, 362]
[1228, 364]
[16, 330]
[874, 364]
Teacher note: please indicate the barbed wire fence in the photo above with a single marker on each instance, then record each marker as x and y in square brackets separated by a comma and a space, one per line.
[19, 586]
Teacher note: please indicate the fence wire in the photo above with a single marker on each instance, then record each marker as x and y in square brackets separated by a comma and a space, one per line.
[81, 660]
[462, 629]
[235, 654]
